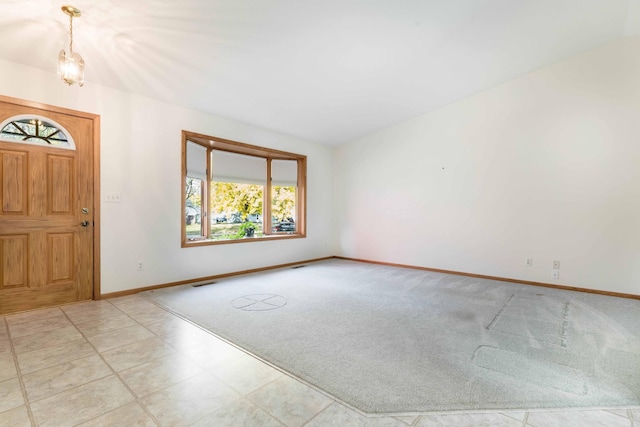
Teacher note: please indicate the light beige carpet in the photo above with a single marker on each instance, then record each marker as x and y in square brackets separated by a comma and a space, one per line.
[390, 340]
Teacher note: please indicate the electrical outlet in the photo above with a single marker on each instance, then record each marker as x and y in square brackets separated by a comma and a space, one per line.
[528, 262]
[555, 273]
[112, 198]
[556, 265]
[139, 265]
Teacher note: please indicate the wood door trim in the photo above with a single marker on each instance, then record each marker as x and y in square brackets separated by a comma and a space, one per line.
[95, 118]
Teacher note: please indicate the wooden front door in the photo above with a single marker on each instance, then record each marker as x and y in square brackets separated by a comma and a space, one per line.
[46, 211]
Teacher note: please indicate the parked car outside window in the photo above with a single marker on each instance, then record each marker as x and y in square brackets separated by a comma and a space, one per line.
[219, 218]
[288, 225]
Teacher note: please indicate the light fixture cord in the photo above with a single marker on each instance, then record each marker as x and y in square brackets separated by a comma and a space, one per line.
[70, 35]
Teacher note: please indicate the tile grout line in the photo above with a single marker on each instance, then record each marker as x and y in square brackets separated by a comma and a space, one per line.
[23, 388]
[117, 375]
[205, 369]
[317, 414]
[135, 397]
[181, 353]
[250, 401]
[266, 410]
[208, 371]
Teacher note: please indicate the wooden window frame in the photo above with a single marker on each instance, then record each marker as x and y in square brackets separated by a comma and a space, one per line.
[269, 154]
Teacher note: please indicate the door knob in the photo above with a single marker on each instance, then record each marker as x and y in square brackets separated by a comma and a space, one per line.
[84, 223]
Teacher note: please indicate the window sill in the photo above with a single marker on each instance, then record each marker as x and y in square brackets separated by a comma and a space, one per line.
[209, 242]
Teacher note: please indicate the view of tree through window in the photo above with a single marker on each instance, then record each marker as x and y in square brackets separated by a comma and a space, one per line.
[193, 211]
[233, 205]
[235, 192]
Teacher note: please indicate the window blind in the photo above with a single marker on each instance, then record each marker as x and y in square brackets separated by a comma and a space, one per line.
[196, 161]
[284, 173]
[240, 168]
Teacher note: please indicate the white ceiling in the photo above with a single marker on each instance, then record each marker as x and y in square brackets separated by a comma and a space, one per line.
[329, 71]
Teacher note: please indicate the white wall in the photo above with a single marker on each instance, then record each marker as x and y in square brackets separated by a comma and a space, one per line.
[140, 159]
[546, 166]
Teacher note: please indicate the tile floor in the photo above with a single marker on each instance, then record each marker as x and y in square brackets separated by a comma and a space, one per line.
[127, 362]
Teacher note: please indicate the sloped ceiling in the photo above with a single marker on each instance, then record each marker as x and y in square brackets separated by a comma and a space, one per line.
[329, 71]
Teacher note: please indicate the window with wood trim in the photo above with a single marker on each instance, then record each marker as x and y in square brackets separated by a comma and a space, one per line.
[36, 130]
[236, 192]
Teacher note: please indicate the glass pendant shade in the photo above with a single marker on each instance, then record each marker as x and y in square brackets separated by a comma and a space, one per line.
[71, 68]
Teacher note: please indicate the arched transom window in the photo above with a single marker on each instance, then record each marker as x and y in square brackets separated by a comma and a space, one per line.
[35, 130]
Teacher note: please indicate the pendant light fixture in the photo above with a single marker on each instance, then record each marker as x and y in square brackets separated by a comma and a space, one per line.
[71, 66]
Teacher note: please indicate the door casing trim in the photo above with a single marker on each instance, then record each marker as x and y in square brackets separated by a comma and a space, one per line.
[95, 118]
